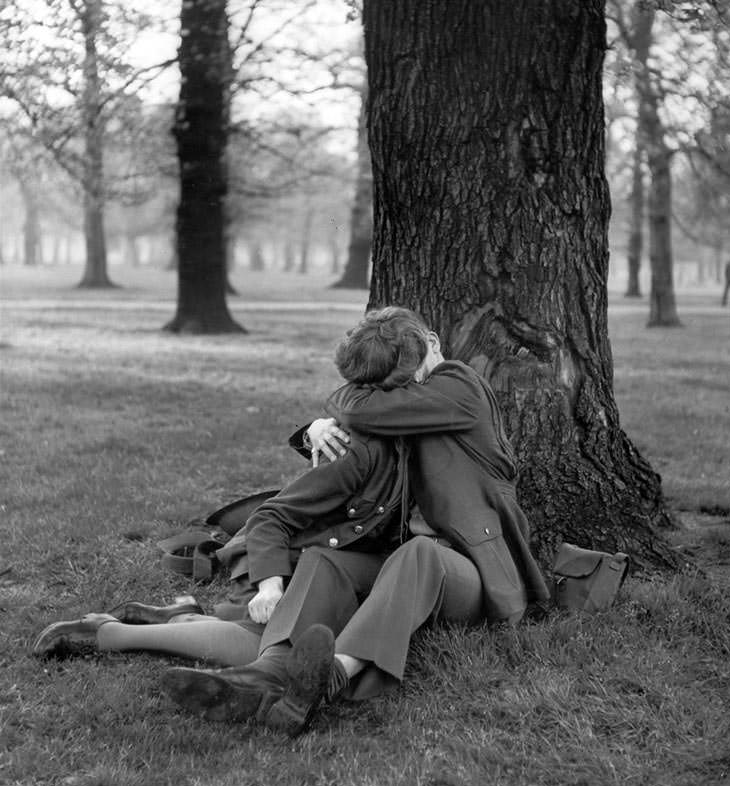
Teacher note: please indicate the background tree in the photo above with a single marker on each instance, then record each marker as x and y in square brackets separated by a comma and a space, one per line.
[357, 265]
[496, 230]
[63, 66]
[636, 233]
[635, 25]
[24, 163]
[201, 132]
[674, 57]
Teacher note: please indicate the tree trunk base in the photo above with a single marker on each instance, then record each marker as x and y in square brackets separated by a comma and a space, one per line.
[94, 283]
[672, 322]
[197, 326]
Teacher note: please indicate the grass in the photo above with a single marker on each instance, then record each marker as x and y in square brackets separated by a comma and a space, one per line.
[113, 434]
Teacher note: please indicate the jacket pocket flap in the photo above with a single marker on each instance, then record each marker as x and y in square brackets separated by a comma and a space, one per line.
[474, 533]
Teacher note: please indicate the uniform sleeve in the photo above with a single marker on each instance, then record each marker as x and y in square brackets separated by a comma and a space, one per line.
[450, 400]
[309, 500]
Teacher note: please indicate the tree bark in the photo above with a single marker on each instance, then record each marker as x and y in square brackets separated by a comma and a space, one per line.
[201, 134]
[636, 230]
[491, 213]
[355, 274]
[95, 272]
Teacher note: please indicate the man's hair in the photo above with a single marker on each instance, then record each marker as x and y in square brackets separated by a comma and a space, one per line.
[385, 349]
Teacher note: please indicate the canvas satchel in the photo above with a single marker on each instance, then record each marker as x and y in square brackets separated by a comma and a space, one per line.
[586, 580]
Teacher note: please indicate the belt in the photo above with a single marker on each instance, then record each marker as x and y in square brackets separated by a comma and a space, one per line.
[191, 553]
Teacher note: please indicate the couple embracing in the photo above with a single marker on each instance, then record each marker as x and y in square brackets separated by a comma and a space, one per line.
[407, 516]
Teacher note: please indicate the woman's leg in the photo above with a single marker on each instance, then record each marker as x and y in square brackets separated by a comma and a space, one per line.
[197, 637]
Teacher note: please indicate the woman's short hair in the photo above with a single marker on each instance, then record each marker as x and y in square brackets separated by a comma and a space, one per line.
[385, 349]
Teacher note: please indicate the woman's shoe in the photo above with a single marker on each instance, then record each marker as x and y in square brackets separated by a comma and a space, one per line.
[62, 638]
[133, 613]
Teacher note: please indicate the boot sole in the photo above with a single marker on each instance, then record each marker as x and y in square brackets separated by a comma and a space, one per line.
[214, 697]
[308, 671]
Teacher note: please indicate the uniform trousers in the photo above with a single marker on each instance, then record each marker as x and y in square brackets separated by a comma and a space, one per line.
[374, 603]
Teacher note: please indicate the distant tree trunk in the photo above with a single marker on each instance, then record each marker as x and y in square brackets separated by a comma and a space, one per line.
[718, 255]
[355, 275]
[636, 231]
[255, 257]
[229, 231]
[230, 246]
[495, 229]
[201, 134]
[334, 254]
[95, 272]
[305, 241]
[131, 250]
[662, 304]
[171, 263]
[289, 262]
[31, 225]
[56, 253]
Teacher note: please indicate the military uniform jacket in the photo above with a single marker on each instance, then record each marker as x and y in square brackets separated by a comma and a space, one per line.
[352, 503]
[462, 473]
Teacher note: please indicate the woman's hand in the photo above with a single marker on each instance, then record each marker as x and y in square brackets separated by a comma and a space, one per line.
[325, 436]
[263, 603]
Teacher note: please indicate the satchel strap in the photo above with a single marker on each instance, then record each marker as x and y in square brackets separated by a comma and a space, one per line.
[191, 553]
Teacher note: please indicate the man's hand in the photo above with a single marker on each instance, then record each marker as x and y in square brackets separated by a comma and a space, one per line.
[262, 605]
[325, 436]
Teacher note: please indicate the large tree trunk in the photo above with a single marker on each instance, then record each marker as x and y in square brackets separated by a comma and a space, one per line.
[491, 211]
[95, 272]
[201, 134]
[636, 227]
[355, 275]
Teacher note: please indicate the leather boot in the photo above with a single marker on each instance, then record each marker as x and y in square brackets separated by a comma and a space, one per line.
[232, 694]
[310, 669]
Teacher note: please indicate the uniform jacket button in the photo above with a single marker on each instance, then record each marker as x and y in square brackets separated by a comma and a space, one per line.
[351, 512]
[333, 543]
[381, 509]
[358, 529]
